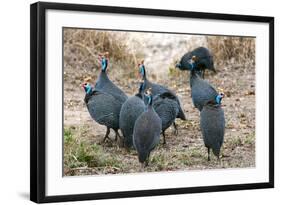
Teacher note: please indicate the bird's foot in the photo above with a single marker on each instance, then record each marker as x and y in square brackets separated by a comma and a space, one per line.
[106, 140]
[176, 132]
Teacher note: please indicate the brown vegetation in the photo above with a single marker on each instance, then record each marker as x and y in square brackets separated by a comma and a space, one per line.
[235, 62]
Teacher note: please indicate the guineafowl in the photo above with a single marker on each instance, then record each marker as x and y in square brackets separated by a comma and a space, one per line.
[167, 108]
[105, 85]
[103, 108]
[202, 57]
[201, 91]
[159, 89]
[212, 125]
[130, 111]
[147, 131]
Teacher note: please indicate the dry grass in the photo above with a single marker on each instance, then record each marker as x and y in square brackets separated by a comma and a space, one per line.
[227, 51]
[87, 156]
[80, 155]
[81, 49]
[232, 50]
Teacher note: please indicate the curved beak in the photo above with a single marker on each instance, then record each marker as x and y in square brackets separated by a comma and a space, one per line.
[178, 65]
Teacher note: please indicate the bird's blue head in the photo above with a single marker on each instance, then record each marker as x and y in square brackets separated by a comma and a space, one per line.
[219, 97]
[142, 70]
[148, 96]
[192, 62]
[189, 64]
[104, 63]
[87, 87]
[103, 59]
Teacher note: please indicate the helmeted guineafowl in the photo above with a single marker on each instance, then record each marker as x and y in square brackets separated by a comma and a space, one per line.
[201, 91]
[212, 125]
[147, 131]
[103, 108]
[202, 57]
[166, 107]
[105, 85]
[130, 111]
[159, 89]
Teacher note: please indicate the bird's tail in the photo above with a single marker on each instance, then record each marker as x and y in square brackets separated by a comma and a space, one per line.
[143, 156]
[181, 114]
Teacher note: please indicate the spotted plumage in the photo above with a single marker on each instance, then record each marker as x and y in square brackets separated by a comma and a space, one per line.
[212, 123]
[130, 111]
[159, 89]
[103, 108]
[166, 107]
[146, 133]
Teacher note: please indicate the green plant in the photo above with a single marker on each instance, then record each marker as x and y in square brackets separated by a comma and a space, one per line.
[234, 142]
[195, 152]
[68, 137]
[159, 161]
[80, 153]
[250, 139]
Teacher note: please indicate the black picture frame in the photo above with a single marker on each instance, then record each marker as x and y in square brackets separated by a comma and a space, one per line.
[38, 100]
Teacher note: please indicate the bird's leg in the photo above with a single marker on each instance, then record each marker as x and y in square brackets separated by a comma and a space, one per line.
[106, 135]
[219, 160]
[116, 135]
[147, 160]
[203, 74]
[208, 154]
[142, 166]
[121, 141]
[146, 163]
[175, 128]
[164, 137]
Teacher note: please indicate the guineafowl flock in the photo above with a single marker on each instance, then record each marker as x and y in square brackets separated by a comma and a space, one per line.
[145, 116]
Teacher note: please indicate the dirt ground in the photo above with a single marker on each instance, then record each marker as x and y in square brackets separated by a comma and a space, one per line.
[84, 154]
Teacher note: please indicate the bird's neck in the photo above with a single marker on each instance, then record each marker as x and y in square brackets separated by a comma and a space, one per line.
[149, 107]
[88, 96]
[144, 77]
[103, 74]
[143, 73]
[193, 77]
[149, 104]
[140, 94]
